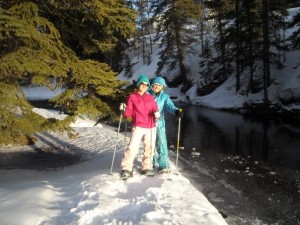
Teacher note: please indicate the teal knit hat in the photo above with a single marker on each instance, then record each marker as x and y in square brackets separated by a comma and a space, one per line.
[142, 79]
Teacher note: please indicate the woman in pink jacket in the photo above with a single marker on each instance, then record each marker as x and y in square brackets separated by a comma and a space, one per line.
[143, 110]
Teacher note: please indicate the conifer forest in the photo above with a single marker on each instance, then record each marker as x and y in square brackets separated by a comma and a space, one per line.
[80, 47]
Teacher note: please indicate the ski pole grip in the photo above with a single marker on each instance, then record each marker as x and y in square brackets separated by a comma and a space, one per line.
[179, 113]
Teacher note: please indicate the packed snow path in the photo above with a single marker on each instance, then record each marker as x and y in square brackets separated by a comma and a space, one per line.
[85, 193]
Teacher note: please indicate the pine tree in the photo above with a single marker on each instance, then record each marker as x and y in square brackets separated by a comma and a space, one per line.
[272, 14]
[143, 38]
[251, 22]
[222, 12]
[295, 36]
[58, 44]
[249, 34]
[175, 35]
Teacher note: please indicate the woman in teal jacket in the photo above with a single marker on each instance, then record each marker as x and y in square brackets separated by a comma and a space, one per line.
[164, 104]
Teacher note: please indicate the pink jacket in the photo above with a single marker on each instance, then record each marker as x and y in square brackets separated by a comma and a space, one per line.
[141, 109]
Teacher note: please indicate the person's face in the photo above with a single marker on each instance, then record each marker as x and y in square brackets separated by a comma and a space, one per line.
[143, 87]
[157, 88]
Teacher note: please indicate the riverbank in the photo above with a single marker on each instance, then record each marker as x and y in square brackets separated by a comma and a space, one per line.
[90, 191]
[248, 166]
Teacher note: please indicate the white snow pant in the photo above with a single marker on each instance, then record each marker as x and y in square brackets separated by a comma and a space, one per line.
[148, 135]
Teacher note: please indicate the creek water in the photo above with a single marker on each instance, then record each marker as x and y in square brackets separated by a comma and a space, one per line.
[247, 166]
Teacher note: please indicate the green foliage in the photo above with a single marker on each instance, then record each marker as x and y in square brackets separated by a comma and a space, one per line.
[58, 125]
[48, 43]
[18, 122]
[91, 83]
[104, 23]
[31, 46]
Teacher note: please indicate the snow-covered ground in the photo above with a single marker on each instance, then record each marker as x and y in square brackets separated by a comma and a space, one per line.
[86, 193]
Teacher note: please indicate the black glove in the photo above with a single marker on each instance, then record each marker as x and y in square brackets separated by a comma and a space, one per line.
[179, 113]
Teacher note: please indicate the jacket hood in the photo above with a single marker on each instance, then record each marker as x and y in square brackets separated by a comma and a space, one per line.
[159, 80]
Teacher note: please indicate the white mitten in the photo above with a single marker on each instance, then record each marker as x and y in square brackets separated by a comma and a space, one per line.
[122, 106]
[157, 115]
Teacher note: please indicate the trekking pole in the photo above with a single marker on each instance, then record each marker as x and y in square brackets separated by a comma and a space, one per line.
[151, 144]
[113, 159]
[177, 147]
[153, 131]
[125, 135]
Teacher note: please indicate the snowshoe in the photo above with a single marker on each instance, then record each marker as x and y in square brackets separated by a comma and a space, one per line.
[163, 170]
[125, 174]
[148, 173]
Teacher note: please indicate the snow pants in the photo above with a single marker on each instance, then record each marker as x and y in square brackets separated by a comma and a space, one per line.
[162, 148]
[147, 135]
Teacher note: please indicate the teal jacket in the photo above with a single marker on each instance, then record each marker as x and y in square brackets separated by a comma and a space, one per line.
[164, 104]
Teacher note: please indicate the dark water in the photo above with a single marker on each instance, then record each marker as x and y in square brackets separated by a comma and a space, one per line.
[248, 167]
[275, 142]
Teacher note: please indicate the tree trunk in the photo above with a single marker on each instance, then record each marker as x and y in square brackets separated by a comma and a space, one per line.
[180, 53]
[266, 63]
[238, 44]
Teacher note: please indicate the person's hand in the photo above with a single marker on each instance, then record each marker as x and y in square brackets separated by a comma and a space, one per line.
[157, 115]
[179, 113]
[122, 106]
